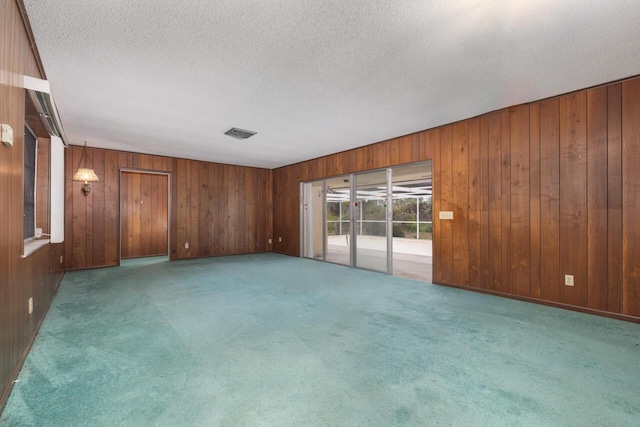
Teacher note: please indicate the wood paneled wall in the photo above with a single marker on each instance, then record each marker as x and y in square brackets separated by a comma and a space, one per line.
[538, 191]
[144, 214]
[218, 209]
[38, 275]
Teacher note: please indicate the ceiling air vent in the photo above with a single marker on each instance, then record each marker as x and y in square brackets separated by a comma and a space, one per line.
[239, 133]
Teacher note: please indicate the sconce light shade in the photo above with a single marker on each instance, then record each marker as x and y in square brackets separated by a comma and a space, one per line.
[85, 174]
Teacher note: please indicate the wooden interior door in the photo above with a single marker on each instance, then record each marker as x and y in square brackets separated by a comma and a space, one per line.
[144, 214]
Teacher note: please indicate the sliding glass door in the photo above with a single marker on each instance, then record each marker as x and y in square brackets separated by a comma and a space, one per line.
[338, 220]
[378, 220]
[371, 221]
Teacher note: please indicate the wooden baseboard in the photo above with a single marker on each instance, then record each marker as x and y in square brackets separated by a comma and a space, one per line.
[586, 310]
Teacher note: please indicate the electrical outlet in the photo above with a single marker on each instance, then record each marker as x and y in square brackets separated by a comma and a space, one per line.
[60, 259]
[30, 305]
[279, 239]
[568, 280]
[186, 245]
[269, 241]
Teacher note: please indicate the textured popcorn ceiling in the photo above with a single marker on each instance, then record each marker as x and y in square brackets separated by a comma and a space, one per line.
[312, 78]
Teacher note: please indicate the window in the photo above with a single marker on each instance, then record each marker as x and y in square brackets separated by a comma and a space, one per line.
[30, 150]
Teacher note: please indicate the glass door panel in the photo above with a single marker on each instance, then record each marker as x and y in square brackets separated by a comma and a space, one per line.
[338, 220]
[412, 221]
[313, 208]
[371, 220]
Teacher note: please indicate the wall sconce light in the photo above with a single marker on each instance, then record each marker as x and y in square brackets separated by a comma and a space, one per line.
[85, 174]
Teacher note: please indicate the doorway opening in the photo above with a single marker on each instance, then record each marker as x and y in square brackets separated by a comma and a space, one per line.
[144, 214]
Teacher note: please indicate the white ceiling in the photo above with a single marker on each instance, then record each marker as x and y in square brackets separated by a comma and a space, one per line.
[313, 77]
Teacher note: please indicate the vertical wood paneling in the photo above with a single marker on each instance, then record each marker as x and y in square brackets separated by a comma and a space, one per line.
[393, 150]
[111, 243]
[573, 197]
[232, 202]
[329, 170]
[321, 165]
[172, 164]
[182, 210]
[505, 142]
[250, 196]
[135, 198]
[426, 146]
[88, 217]
[68, 214]
[241, 231]
[163, 211]
[266, 209]
[534, 200]
[475, 204]
[405, 150]
[205, 228]
[550, 200]
[125, 202]
[416, 140]
[281, 226]
[597, 274]
[370, 156]
[246, 237]
[520, 263]
[193, 201]
[446, 203]
[484, 203]
[154, 213]
[433, 137]
[614, 198]
[79, 213]
[495, 202]
[221, 207]
[631, 197]
[460, 206]
[98, 188]
[126, 160]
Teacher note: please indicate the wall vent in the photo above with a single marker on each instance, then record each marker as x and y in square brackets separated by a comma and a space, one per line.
[240, 133]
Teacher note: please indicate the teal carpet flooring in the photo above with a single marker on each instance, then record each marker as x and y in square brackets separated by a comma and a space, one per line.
[271, 340]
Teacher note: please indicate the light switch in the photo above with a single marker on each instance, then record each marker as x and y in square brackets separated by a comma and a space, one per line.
[6, 135]
[446, 214]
